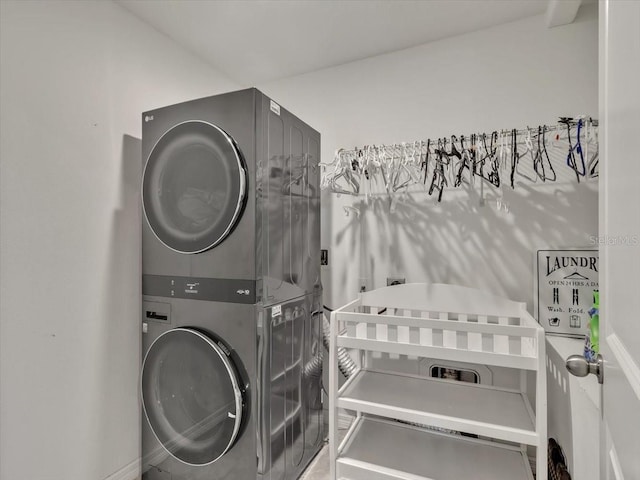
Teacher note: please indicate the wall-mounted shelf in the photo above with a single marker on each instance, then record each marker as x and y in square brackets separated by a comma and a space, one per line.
[394, 434]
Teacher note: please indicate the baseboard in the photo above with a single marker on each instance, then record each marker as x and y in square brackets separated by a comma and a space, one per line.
[130, 471]
[156, 456]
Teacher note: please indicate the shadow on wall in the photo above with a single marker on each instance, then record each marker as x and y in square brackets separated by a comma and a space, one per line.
[481, 237]
[119, 344]
[347, 253]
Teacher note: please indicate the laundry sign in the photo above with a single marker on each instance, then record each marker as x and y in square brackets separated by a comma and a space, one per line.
[566, 280]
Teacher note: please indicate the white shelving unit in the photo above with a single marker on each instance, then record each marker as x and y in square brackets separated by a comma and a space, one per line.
[397, 416]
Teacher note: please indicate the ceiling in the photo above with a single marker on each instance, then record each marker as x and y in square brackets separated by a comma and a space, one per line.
[257, 41]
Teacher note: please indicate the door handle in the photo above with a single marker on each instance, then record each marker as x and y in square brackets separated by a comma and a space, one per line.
[581, 367]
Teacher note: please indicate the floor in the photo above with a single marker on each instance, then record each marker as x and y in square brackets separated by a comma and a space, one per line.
[319, 467]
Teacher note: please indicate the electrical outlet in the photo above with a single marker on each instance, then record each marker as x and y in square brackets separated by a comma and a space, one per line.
[324, 257]
[395, 281]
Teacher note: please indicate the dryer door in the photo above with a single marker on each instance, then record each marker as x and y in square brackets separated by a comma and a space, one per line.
[194, 187]
[192, 397]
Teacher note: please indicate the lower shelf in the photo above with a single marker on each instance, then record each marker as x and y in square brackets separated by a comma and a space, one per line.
[383, 450]
[478, 409]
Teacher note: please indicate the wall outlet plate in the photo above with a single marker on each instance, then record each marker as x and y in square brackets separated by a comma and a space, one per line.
[395, 281]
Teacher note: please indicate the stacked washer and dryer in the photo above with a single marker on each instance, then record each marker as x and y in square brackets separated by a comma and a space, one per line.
[232, 299]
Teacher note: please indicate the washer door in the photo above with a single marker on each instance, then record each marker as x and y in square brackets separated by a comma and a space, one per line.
[194, 187]
[191, 396]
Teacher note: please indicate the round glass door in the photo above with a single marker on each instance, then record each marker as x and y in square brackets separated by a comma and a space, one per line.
[194, 187]
[191, 396]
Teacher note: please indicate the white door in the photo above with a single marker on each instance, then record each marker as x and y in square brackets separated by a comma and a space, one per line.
[620, 238]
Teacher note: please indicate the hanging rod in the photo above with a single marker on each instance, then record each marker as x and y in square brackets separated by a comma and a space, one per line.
[519, 132]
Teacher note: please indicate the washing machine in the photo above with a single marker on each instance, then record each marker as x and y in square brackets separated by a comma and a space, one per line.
[232, 303]
[230, 391]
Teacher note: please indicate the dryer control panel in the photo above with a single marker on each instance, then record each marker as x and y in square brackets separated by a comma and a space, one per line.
[211, 289]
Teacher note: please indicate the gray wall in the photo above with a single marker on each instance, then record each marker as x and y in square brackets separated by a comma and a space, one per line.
[510, 76]
[75, 77]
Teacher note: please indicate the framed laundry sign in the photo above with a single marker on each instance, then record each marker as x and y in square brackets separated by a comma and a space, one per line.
[563, 292]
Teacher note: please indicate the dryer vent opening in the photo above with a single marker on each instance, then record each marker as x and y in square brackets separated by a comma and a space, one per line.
[452, 373]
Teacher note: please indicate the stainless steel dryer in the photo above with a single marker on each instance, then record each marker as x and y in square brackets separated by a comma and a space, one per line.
[232, 325]
[231, 200]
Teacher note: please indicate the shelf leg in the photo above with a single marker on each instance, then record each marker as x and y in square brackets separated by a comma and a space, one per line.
[333, 390]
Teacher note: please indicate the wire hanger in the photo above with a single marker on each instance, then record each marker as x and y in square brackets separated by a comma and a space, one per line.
[465, 163]
[515, 157]
[592, 164]
[579, 149]
[490, 153]
[542, 155]
[520, 169]
[503, 152]
[571, 157]
[439, 181]
[425, 163]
